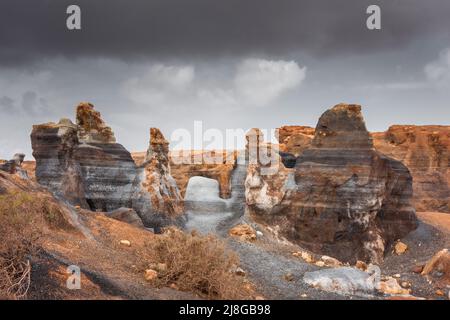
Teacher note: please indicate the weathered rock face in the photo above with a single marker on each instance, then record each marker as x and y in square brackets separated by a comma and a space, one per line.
[156, 192]
[217, 165]
[349, 200]
[54, 148]
[83, 164]
[14, 166]
[425, 150]
[267, 184]
[295, 139]
[91, 127]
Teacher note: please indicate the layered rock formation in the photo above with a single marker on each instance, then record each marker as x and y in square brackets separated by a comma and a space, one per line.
[349, 201]
[14, 166]
[267, 183]
[217, 165]
[295, 139]
[83, 164]
[425, 150]
[155, 189]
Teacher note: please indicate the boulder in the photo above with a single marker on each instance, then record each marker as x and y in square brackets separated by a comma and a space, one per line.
[438, 267]
[343, 280]
[127, 215]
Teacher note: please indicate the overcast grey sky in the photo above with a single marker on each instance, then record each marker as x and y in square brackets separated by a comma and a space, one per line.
[229, 63]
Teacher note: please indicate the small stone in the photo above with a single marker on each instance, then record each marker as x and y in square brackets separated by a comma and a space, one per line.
[397, 275]
[260, 298]
[240, 272]
[288, 277]
[244, 232]
[307, 257]
[400, 248]
[125, 243]
[440, 292]
[304, 295]
[361, 265]
[320, 264]
[161, 267]
[405, 284]
[331, 262]
[173, 286]
[417, 268]
[392, 287]
[150, 275]
[259, 233]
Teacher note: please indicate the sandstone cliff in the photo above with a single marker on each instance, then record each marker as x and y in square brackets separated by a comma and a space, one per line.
[349, 201]
[425, 150]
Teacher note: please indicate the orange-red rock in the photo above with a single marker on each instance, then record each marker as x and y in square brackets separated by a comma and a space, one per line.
[425, 150]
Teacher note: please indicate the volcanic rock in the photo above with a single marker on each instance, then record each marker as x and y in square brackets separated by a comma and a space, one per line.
[14, 166]
[348, 200]
[82, 163]
[343, 280]
[156, 194]
[217, 165]
[268, 181]
[127, 215]
[425, 150]
[295, 139]
[439, 266]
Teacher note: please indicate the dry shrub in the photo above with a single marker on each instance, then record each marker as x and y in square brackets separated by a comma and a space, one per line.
[198, 264]
[23, 216]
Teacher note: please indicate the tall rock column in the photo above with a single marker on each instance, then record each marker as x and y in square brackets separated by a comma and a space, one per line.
[156, 195]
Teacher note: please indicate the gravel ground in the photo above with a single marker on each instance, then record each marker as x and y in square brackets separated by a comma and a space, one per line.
[268, 260]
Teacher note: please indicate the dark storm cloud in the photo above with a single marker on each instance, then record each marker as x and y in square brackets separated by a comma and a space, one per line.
[126, 29]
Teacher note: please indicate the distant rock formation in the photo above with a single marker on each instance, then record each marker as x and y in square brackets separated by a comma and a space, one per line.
[83, 164]
[267, 184]
[14, 166]
[348, 200]
[156, 192]
[295, 139]
[217, 165]
[425, 150]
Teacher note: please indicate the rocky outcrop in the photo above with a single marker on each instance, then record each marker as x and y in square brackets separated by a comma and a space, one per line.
[349, 201]
[14, 166]
[82, 164]
[425, 150]
[156, 192]
[217, 165]
[267, 183]
[295, 139]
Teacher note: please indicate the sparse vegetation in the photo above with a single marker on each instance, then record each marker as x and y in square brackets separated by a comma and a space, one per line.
[23, 217]
[196, 263]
